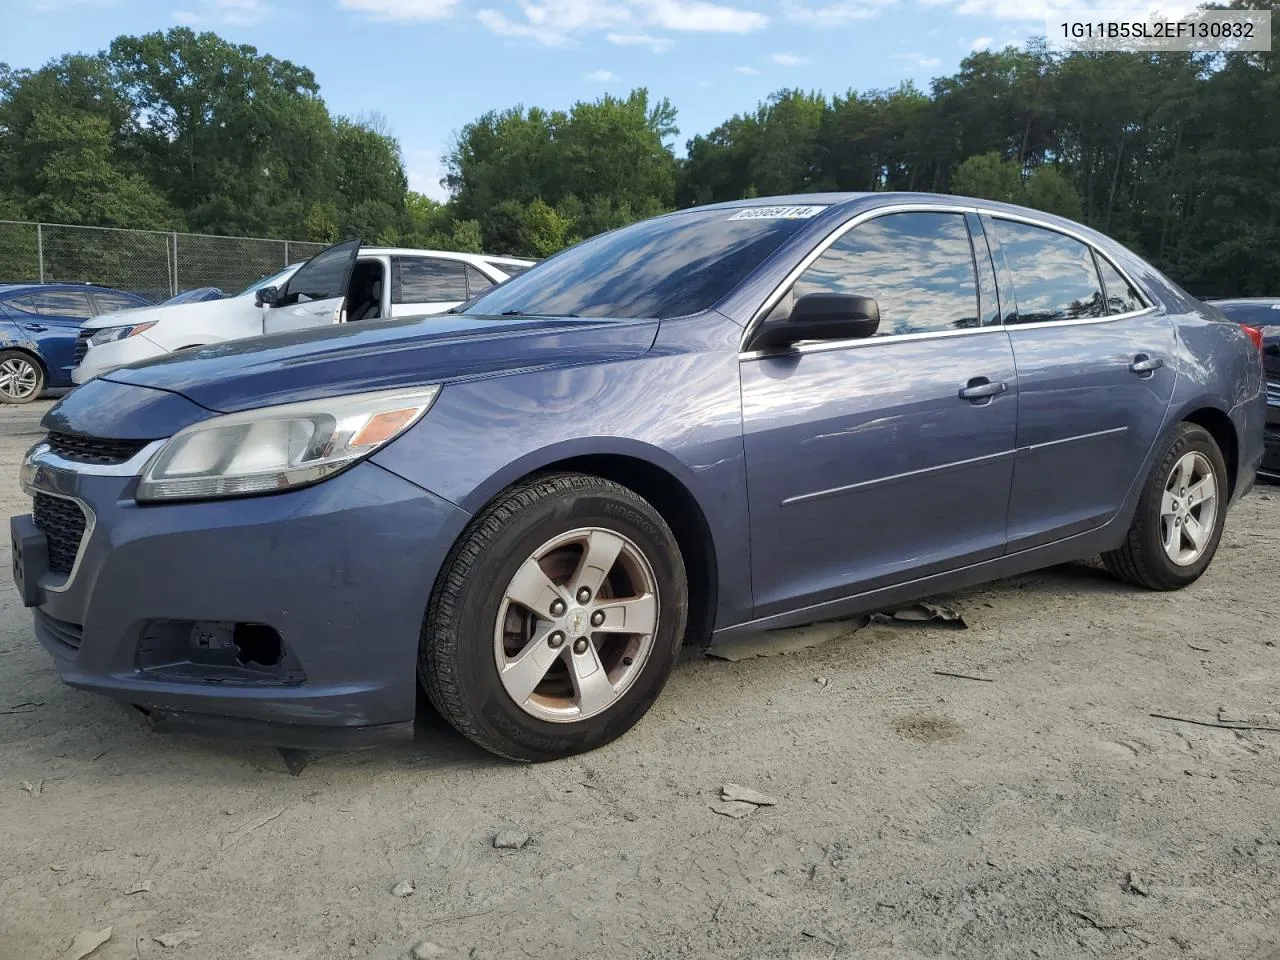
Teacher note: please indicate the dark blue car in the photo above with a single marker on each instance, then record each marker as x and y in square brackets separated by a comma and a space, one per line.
[723, 420]
[39, 323]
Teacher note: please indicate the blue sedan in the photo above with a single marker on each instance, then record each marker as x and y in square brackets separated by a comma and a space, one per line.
[723, 420]
[39, 323]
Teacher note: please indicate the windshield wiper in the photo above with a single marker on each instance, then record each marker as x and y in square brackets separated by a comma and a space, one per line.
[550, 316]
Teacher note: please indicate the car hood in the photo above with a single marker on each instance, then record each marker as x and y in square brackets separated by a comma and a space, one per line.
[207, 309]
[353, 358]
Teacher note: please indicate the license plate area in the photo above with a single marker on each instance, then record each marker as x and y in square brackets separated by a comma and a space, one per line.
[29, 552]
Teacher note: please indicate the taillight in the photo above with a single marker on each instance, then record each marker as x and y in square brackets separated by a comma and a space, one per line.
[1254, 334]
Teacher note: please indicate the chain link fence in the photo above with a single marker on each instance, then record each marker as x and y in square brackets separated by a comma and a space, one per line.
[153, 264]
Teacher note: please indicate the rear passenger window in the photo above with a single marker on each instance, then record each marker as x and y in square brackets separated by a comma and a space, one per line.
[56, 303]
[1121, 297]
[1054, 277]
[477, 282]
[918, 267]
[426, 280]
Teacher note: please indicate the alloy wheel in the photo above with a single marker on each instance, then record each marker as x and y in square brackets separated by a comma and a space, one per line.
[576, 625]
[1188, 508]
[19, 378]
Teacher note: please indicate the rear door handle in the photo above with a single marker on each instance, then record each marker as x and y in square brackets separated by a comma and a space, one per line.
[981, 390]
[35, 327]
[1142, 364]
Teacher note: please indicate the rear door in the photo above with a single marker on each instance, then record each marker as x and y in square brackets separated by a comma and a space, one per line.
[51, 319]
[426, 285]
[315, 295]
[1096, 373]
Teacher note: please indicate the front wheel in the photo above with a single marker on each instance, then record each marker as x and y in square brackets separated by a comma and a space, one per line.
[556, 619]
[21, 377]
[1180, 515]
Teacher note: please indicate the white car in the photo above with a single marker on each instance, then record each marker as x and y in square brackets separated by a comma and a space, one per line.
[345, 283]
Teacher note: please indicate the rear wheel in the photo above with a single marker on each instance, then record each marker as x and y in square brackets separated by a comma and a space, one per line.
[21, 377]
[1180, 515]
[556, 619]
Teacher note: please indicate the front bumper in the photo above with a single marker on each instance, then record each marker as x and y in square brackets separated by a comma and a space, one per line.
[340, 571]
[106, 357]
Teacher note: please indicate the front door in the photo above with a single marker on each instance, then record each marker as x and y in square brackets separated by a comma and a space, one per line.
[314, 296]
[1095, 376]
[865, 463]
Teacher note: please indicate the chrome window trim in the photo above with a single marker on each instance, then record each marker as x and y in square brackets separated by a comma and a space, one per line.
[818, 347]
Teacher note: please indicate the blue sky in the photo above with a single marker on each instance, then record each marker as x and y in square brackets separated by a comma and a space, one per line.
[430, 66]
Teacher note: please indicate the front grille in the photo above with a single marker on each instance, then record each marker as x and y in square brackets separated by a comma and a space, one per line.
[63, 524]
[69, 634]
[1273, 391]
[72, 446]
[82, 346]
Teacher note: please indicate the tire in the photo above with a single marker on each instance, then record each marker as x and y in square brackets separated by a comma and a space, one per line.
[1144, 559]
[475, 635]
[21, 377]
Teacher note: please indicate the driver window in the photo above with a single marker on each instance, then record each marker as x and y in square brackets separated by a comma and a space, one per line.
[918, 267]
[324, 276]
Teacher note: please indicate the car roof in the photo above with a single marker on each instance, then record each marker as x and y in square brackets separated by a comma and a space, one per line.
[447, 254]
[34, 286]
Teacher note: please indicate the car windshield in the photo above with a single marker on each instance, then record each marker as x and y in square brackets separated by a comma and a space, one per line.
[670, 266]
[272, 281]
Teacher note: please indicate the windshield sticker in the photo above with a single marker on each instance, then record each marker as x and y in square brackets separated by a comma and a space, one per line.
[777, 213]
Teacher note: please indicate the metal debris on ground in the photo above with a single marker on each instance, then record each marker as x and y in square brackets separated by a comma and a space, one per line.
[735, 791]
[510, 840]
[923, 612]
[176, 938]
[85, 943]
[142, 886]
[737, 809]
[404, 888]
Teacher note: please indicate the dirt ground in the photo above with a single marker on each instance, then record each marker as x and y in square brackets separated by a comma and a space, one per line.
[1045, 813]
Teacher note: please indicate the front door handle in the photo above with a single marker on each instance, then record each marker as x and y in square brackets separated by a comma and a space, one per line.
[1144, 365]
[981, 390]
[35, 327]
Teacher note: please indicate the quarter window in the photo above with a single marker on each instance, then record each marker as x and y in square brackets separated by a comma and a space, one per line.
[425, 280]
[1054, 277]
[1121, 297]
[918, 267]
[112, 302]
[56, 303]
[477, 282]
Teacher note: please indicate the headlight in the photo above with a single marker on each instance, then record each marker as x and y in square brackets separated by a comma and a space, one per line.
[111, 334]
[278, 448]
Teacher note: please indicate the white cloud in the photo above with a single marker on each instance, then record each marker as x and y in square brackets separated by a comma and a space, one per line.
[402, 10]
[747, 71]
[656, 44]
[601, 76]
[835, 14]
[789, 59]
[698, 15]
[1040, 10]
[504, 26]
[235, 13]
[982, 43]
[919, 60]
[556, 22]
[425, 171]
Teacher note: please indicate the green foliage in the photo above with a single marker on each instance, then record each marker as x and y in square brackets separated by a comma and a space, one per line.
[1175, 154]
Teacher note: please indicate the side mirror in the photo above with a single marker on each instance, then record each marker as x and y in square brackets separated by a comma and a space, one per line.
[268, 297]
[822, 316]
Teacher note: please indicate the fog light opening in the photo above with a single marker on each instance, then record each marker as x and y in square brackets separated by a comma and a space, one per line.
[256, 643]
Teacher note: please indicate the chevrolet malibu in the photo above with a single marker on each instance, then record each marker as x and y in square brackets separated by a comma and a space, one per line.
[729, 419]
